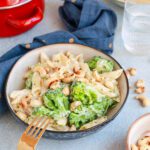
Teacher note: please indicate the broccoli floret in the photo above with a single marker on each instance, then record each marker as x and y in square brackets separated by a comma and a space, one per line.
[56, 105]
[81, 116]
[92, 63]
[101, 108]
[56, 114]
[59, 114]
[100, 64]
[84, 114]
[28, 82]
[85, 93]
[41, 111]
[57, 102]
[55, 99]
[48, 103]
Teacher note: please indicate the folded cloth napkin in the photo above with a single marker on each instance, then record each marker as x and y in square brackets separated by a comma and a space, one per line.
[90, 22]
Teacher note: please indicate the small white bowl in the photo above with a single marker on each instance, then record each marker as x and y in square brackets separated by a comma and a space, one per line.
[137, 130]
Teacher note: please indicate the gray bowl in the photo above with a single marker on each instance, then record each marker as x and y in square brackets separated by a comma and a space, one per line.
[15, 78]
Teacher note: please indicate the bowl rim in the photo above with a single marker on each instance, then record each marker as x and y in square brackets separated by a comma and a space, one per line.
[77, 131]
[131, 127]
[15, 5]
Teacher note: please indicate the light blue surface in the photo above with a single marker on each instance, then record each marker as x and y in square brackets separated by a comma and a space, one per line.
[111, 137]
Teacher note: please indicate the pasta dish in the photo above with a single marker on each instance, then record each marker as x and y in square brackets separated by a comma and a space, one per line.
[74, 93]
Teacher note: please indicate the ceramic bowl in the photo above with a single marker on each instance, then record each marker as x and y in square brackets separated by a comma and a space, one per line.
[15, 82]
[137, 130]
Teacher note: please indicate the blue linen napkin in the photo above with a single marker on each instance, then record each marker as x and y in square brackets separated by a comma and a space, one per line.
[90, 22]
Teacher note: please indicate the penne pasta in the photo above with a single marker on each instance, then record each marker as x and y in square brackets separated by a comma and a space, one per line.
[43, 58]
[113, 75]
[36, 83]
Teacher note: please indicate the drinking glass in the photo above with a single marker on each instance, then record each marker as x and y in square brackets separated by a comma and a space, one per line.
[136, 26]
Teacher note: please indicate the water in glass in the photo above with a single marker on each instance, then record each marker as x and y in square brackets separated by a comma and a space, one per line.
[136, 26]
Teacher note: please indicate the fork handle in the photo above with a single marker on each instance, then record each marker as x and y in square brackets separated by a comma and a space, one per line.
[23, 146]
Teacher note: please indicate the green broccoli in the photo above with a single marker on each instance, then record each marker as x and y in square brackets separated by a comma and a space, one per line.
[81, 116]
[41, 111]
[59, 114]
[101, 108]
[55, 99]
[85, 93]
[86, 113]
[92, 63]
[56, 105]
[100, 64]
[57, 102]
[28, 82]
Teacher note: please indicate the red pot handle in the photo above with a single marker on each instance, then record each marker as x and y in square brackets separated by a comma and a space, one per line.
[26, 23]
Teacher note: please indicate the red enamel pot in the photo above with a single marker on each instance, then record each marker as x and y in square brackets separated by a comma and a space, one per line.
[18, 16]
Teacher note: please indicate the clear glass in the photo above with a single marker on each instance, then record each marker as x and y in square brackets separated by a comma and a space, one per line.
[136, 26]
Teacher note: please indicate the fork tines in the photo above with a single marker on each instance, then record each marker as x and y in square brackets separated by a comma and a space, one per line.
[37, 127]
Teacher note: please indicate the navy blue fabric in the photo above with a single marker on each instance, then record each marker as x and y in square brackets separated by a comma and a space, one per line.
[89, 22]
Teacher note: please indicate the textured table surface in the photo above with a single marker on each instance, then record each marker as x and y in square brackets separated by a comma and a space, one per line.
[111, 137]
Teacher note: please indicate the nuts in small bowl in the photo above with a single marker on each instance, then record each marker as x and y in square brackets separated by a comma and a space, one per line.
[138, 137]
[142, 144]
